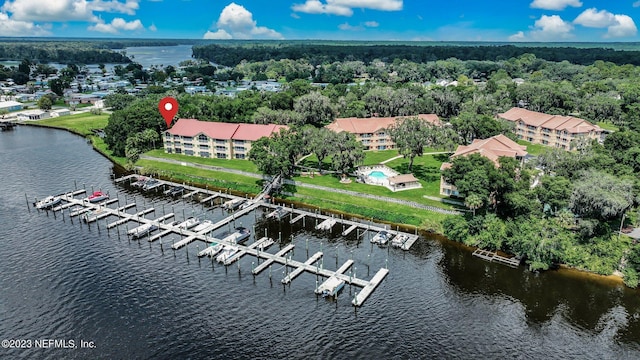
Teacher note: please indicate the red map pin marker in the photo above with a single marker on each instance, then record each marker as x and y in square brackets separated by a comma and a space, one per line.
[168, 108]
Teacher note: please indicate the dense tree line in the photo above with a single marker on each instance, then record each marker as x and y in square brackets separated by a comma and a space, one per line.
[62, 52]
[315, 54]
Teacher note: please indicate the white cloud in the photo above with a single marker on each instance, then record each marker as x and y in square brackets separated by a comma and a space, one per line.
[347, 27]
[66, 10]
[594, 18]
[236, 22]
[371, 24]
[345, 7]
[11, 27]
[554, 4]
[617, 25]
[551, 28]
[116, 25]
[624, 27]
[153, 27]
[218, 35]
[519, 36]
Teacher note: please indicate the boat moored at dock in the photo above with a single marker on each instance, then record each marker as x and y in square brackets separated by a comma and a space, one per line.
[331, 287]
[97, 197]
[240, 235]
[381, 238]
[48, 202]
[189, 223]
[142, 230]
[227, 252]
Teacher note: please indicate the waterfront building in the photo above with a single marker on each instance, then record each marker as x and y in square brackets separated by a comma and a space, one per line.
[492, 148]
[550, 130]
[372, 132]
[215, 139]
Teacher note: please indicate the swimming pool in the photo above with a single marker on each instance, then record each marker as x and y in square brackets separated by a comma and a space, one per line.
[378, 175]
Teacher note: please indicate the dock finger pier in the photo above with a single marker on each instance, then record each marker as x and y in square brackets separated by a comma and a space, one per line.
[128, 219]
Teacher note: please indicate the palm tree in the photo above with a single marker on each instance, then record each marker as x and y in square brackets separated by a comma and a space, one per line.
[473, 202]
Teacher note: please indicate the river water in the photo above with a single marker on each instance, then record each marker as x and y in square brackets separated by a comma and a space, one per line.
[62, 280]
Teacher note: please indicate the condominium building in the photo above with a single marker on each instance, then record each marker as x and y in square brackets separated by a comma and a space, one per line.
[492, 148]
[550, 130]
[214, 139]
[372, 132]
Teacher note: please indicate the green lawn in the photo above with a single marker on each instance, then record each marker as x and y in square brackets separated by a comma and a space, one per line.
[99, 144]
[376, 157]
[533, 149]
[607, 126]
[244, 165]
[79, 123]
[205, 177]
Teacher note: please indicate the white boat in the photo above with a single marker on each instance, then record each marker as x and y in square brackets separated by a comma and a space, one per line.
[381, 238]
[399, 240]
[189, 223]
[233, 204]
[226, 253]
[203, 226]
[330, 287]
[240, 235]
[211, 250]
[141, 180]
[142, 230]
[278, 213]
[97, 196]
[150, 184]
[48, 202]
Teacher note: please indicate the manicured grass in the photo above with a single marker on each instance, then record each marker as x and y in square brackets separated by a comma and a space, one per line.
[607, 126]
[214, 178]
[80, 123]
[533, 149]
[244, 165]
[99, 144]
[370, 208]
[376, 157]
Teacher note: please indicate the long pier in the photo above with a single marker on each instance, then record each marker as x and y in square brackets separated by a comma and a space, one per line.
[256, 249]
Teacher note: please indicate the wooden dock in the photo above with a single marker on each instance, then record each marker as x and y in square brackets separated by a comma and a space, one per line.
[256, 249]
[292, 275]
[492, 256]
[270, 261]
[359, 299]
[207, 199]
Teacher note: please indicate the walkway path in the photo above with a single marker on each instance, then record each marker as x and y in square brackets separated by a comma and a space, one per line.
[310, 186]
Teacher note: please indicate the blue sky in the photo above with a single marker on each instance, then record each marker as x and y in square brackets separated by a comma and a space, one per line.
[450, 20]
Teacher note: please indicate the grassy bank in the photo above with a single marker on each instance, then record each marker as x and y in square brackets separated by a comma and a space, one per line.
[81, 124]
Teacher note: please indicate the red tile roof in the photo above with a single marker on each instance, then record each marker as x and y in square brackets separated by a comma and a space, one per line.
[374, 124]
[553, 122]
[223, 131]
[492, 148]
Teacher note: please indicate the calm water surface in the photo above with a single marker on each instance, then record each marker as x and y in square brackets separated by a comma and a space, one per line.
[63, 280]
[159, 55]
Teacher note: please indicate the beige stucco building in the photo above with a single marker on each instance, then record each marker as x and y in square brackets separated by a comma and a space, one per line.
[214, 139]
[372, 132]
[550, 130]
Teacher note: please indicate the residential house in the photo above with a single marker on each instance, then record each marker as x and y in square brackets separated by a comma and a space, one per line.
[550, 130]
[10, 106]
[492, 148]
[215, 139]
[32, 115]
[372, 132]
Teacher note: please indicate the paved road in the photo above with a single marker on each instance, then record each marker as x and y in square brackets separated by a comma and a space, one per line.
[310, 186]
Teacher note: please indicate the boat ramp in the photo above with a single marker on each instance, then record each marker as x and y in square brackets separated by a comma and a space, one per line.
[94, 212]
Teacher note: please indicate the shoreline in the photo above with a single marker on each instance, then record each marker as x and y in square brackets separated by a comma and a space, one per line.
[613, 280]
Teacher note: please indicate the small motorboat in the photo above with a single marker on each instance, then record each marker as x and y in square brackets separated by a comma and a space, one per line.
[233, 204]
[226, 253]
[175, 190]
[48, 202]
[399, 240]
[97, 196]
[240, 235]
[142, 230]
[150, 184]
[331, 287]
[203, 226]
[141, 180]
[381, 238]
[189, 223]
[277, 214]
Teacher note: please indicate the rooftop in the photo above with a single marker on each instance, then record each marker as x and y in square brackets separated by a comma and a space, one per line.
[373, 124]
[223, 131]
[553, 122]
[492, 148]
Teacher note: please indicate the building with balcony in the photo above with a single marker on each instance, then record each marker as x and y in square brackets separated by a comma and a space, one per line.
[550, 130]
[214, 139]
[372, 132]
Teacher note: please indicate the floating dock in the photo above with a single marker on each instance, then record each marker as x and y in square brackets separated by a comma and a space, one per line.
[492, 256]
[292, 275]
